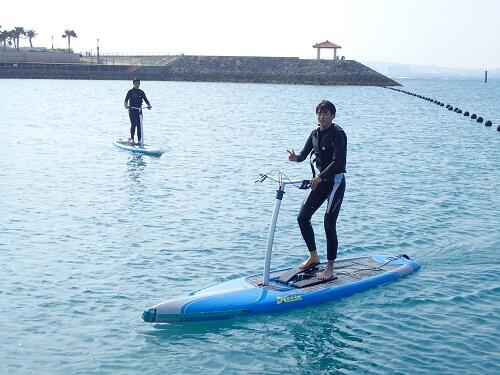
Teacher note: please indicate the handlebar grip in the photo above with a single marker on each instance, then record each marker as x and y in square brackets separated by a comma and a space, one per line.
[306, 184]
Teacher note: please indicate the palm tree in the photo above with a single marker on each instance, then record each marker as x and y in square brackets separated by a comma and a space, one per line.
[4, 35]
[69, 34]
[17, 32]
[31, 34]
[11, 38]
[3, 38]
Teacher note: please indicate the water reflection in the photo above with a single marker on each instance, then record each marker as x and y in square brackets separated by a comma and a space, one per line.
[194, 330]
[135, 166]
[326, 342]
[318, 339]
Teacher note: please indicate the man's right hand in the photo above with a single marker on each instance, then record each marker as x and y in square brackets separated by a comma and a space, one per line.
[292, 156]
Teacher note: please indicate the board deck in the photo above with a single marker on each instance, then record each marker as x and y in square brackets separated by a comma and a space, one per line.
[293, 272]
[145, 149]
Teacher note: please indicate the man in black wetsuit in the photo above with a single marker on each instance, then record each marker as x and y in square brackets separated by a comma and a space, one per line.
[133, 102]
[328, 143]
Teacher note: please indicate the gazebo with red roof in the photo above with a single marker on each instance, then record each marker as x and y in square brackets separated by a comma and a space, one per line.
[327, 44]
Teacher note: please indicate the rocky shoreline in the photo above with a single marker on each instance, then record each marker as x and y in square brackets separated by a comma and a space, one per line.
[278, 70]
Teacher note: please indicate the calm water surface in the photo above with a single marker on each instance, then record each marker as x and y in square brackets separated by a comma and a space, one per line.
[90, 235]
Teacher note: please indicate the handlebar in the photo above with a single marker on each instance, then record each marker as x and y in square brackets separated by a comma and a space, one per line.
[301, 184]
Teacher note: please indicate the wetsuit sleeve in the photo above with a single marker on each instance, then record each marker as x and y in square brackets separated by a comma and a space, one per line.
[338, 158]
[145, 99]
[127, 97]
[302, 155]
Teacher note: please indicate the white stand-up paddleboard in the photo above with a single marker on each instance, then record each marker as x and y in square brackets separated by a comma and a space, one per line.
[140, 148]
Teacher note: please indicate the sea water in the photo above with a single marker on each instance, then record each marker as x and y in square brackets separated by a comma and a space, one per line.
[90, 236]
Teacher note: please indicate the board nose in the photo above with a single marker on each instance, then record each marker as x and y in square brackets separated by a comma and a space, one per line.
[149, 315]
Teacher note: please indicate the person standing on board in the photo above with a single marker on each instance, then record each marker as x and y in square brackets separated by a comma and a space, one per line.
[133, 102]
[328, 145]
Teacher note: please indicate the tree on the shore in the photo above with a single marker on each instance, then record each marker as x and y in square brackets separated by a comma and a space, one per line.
[16, 33]
[11, 38]
[4, 35]
[69, 34]
[30, 34]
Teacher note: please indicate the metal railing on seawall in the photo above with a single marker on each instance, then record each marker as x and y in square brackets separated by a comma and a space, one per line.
[126, 59]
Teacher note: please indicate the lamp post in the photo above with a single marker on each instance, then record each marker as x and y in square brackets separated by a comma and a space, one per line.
[52, 43]
[98, 50]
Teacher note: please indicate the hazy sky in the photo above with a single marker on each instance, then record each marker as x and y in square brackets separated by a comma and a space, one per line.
[450, 33]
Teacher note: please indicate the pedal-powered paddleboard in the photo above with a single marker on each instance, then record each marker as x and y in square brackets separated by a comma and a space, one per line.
[285, 289]
[141, 149]
[248, 296]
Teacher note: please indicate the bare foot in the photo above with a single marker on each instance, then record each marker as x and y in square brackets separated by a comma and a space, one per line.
[309, 262]
[327, 274]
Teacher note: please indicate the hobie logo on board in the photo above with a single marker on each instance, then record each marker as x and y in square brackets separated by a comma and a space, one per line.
[280, 300]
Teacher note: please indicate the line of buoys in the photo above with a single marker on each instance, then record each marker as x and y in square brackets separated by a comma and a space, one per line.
[449, 107]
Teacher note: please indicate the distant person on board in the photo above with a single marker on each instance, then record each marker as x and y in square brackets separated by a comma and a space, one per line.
[327, 145]
[133, 102]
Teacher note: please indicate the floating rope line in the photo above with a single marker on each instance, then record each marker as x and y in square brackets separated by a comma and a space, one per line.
[449, 107]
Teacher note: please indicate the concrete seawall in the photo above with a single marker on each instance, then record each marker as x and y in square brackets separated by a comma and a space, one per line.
[48, 57]
[281, 70]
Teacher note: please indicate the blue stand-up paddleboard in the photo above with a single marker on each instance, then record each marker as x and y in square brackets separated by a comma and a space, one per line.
[285, 289]
[140, 148]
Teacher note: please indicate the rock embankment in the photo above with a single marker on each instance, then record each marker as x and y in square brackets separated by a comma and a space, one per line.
[282, 70]
[275, 70]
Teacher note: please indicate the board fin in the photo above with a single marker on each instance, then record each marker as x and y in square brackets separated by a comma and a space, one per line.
[285, 278]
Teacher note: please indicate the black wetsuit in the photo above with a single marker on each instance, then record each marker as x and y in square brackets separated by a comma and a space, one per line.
[136, 96]
[330, 149]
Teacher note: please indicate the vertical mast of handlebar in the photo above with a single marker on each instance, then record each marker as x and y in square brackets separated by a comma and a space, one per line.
[272, 228]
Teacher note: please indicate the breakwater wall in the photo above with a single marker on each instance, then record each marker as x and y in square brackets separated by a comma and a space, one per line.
[281, 70]
[48, 57]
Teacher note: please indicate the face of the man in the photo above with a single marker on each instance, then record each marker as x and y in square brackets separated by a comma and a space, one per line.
[137, 84]
[325, 118]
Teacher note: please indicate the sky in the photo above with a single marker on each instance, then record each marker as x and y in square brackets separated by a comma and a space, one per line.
[462, 34]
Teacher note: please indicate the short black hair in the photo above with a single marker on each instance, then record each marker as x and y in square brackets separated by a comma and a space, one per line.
[326, 105]
[136, 80]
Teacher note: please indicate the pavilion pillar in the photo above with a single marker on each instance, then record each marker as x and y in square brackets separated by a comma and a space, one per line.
[318, 53]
